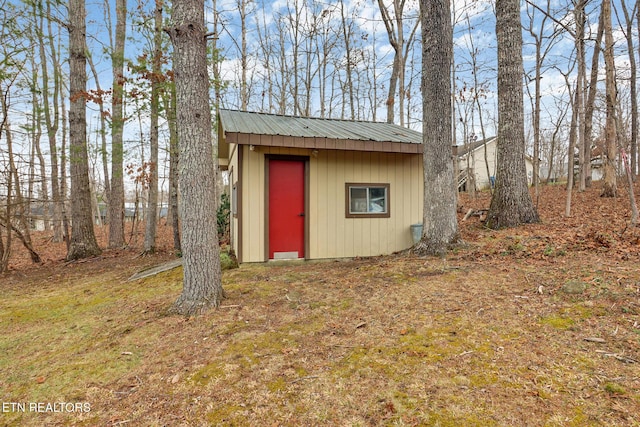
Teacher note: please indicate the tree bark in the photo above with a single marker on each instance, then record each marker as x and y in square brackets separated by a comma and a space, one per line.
[104, 154]
[170, 108]
[83, 242]
[591, 100]
[610, 186]
[440, 222]
[580, 18]
[116, 200]
[52, 123]
[571, 150]
[628, 34]
[511, 204]
[201, 253]
[151, 216]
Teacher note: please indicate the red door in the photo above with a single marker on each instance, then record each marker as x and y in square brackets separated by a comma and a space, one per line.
[286, 209]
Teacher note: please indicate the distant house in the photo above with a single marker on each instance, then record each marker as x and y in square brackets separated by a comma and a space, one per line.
[39, 216]
[477, 164]
[311, 188]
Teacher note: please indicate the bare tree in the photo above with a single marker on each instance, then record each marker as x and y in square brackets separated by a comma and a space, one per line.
[538, 33]
[511, 204]
[151, 215]
[394, 23]
[580, 19]
[104, 152]
[51, 111]
[116, 200]
[14, 217]
[571, 150]
[440, 223]
[628, 35]
[83, 242]
[610, 187]
[201, 254]
[591, 101]
[35, 131]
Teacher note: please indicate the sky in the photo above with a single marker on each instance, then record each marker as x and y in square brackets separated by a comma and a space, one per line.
[474, 32]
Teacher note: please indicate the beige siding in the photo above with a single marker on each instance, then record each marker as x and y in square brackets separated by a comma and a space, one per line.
[330, 233]
[478, 165]
[233, 181]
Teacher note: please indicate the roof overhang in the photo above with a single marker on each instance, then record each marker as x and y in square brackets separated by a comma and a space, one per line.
[316, 143]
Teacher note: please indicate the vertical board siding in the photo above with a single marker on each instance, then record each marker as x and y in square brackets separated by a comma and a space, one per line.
[331, 234]
[233, 167]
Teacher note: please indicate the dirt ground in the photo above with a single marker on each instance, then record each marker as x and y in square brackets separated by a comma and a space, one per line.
[538, 325]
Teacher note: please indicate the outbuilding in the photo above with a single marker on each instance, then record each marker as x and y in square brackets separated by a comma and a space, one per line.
[313, 188]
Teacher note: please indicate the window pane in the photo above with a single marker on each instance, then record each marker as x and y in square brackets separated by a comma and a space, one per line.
[377, 200]
[358, 200]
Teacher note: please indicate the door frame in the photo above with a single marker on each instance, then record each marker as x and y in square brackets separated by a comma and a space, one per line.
[307, 213]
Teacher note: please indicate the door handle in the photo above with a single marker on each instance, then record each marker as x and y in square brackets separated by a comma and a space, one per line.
[301, 214]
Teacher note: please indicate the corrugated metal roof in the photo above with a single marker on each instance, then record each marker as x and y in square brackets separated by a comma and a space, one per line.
[308, 127]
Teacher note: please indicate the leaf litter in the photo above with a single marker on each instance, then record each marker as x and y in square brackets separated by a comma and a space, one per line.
[490, 335]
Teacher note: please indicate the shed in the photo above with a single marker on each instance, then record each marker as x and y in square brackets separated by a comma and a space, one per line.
[313, 188]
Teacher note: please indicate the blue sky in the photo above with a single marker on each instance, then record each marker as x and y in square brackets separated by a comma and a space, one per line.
[474, 26]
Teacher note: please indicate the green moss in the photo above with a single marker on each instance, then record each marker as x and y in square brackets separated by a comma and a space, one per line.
[231, 328]
[404, 402]
[317, 304]
[557, 322]
[277, 385]
[227, 415]
[342, 305]
[208, 373]
[579, 419]
[483, 379]
[301, 372]
[362, 362]
[579, 311]
[614, 388]
[444, 418]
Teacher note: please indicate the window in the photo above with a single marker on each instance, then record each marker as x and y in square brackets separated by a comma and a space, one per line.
[367, 200]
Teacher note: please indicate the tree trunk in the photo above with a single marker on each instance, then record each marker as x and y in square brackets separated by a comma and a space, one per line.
[440, 222]
[610, 187]
[83, 242]
[103, 142]
[511, 204]
[52, 123]
[116, 200]
[346, 33]
[633, 92]
[591, 100]
[580, 17]
[43, 200]
[397, 58]
[156, 76]
[571, 152]
[170, 107]
[201, 253]
[17, 212]
[64, 193]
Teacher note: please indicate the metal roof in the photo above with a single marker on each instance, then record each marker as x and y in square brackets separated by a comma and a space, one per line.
[309, 127]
